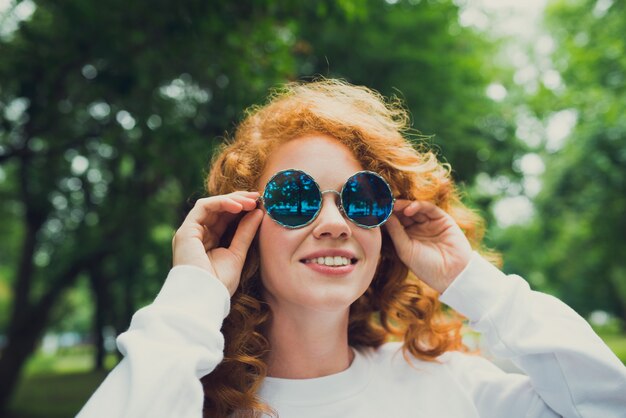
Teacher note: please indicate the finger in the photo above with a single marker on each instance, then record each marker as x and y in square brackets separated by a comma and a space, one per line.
[251, 194]
[208, 219]
[214, 233]
[400, 204]
[248, 200]
[404, 220]
[205, 207]
[247, 204]
[246, 230]
[205, 210]
[405, 211]
[425, 209]
[213, 222]
[411, 206]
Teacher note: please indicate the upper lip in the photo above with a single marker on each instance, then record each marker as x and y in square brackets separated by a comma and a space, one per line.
[330, 253]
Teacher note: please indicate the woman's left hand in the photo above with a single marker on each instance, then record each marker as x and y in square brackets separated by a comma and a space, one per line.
[429, 242]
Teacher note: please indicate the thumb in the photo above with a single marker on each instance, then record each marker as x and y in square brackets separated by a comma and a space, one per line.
[246, 230]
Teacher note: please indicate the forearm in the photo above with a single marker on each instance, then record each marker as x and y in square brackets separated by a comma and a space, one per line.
[569, 366]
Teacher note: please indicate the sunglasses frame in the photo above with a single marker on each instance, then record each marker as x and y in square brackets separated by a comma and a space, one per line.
[322, 192]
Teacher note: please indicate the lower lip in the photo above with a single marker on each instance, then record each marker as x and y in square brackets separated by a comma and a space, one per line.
[331, 271]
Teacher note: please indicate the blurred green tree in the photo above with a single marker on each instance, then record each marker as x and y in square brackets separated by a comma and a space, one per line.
[580, 222]
[420, 52]
[109, 111]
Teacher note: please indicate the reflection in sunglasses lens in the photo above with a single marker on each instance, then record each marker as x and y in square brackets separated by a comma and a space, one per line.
[292, 198]
[366, 199]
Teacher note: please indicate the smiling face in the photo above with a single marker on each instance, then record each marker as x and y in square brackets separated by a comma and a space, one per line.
[328, 264]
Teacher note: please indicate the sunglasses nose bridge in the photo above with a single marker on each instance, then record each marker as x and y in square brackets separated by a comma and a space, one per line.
[337, 200]
[332, 221]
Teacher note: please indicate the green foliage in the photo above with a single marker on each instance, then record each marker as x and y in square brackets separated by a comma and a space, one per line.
[115, 111]
[74, 311]
[109, 112]
[417, 50]
[580, 220]
[121, 106]
[585, 187]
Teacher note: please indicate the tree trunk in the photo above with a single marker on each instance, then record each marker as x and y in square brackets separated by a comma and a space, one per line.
[22, 341]
[101, 295]
[25, 332]
[14, 356]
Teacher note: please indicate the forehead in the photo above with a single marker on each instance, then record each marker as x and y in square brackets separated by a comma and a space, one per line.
[329, 162]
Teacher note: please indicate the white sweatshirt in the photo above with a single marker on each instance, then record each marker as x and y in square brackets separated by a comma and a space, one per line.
[568, 370]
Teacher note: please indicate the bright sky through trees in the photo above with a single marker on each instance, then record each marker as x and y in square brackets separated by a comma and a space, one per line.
[520, 22]
[528, 49]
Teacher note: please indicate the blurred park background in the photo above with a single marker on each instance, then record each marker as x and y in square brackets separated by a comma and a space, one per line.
[110, 110]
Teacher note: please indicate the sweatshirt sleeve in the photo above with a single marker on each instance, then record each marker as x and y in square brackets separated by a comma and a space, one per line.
[168, 347]
[570, 371]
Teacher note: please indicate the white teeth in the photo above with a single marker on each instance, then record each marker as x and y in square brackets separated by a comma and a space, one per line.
[330, 261]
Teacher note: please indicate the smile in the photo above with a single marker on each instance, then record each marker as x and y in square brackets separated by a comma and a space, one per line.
[330, 261]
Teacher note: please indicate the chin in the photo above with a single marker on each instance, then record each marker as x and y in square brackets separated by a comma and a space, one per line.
[317, 298]
[331, 303]
[311, 290]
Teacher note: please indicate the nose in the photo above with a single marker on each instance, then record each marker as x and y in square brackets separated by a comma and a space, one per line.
[330, 221]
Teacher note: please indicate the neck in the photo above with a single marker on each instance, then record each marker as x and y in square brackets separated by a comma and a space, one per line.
[308, 344]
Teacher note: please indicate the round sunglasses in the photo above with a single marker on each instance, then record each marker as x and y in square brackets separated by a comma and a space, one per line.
[293, 199]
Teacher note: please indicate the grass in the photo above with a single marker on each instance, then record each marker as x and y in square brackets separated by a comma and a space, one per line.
[54, 395]
[617, 343]
[58, 386]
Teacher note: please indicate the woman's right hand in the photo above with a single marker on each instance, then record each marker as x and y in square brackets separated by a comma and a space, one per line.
[196, 242]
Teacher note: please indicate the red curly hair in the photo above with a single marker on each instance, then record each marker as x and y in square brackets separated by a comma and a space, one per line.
[397, 305]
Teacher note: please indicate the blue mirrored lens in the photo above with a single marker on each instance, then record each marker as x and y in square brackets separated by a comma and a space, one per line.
[367, 199]
[292, 198]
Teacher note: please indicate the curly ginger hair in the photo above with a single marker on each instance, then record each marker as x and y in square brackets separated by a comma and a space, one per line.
[397, 305]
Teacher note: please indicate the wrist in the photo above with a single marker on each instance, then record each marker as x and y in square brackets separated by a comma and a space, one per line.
[452, 272]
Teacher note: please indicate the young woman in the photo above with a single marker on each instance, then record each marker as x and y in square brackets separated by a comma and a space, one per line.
[308, 285]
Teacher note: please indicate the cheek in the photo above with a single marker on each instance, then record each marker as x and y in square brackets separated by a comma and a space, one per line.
[276, 247]
[266, 233]
[370, 241]
[268, 236]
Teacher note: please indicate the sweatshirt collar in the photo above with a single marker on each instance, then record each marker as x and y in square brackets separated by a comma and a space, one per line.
[319, 390]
